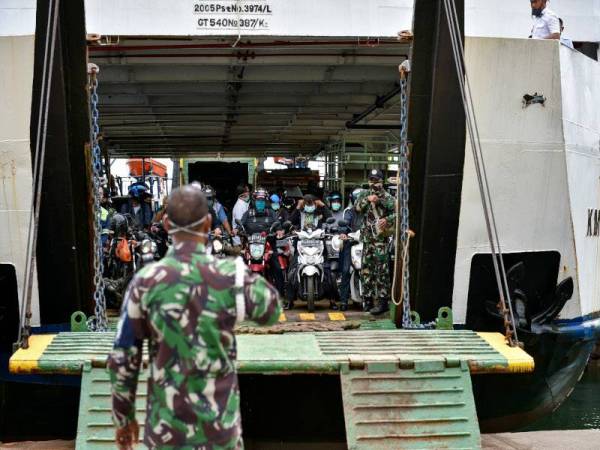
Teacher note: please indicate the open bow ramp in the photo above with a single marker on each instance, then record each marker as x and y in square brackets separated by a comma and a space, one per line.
[400, 388]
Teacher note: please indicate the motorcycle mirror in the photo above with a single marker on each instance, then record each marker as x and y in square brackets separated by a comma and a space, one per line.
[330, 220]
[343, 223]
[334, 229]
[287, 225]
[275, 226]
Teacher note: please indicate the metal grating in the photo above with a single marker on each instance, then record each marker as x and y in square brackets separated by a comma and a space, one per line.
[95, 429]
[425, 407]
[465, 344]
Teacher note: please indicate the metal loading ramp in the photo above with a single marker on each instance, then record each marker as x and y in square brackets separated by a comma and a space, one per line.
[397, 385]
[430, 405]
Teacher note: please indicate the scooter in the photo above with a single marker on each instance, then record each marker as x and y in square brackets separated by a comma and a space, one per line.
[220, 245]
[285, 249]
[311, 272]
[356, 250]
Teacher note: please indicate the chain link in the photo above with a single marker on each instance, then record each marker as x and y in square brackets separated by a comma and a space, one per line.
[98, 321]
[403, 193]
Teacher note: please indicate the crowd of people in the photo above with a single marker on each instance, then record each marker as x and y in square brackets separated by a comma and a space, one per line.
[256, 210]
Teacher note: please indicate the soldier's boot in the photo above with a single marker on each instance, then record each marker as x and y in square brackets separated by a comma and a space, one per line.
[367, 304]
[382, 307]
[344, 306]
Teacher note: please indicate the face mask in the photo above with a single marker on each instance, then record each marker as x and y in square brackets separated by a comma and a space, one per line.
[260, 205]
[174, 228]
[275, 206]
[310, 209]
[377, 186]
[537, 12]
[136, 209]
[336, 206]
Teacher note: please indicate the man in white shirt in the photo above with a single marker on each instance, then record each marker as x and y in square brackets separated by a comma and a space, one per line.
[240, 207]
[546, 24]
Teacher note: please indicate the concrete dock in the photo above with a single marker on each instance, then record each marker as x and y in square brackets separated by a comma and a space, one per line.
[543, 440]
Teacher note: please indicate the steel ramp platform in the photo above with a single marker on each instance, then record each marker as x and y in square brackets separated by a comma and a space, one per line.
[428, 406]
[400, 388]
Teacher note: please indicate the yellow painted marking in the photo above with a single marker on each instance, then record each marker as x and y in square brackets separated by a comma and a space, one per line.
[282, 317]
[26, 360]
[307, 316]
[518, 360]
[336, 316]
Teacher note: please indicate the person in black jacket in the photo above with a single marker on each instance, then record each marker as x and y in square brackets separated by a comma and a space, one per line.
[258, 219]
[310, 213]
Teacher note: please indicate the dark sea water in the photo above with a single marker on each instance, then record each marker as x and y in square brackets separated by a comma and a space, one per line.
[581, 410]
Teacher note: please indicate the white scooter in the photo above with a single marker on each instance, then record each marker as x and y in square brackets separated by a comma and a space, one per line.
[310, 274]
[356, 251]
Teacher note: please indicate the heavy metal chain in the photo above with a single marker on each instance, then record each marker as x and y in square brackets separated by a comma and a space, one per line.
[403, 204]
[403, 195]
[97, 322]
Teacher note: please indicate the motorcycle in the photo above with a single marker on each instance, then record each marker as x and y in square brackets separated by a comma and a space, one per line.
[257, 250]
[311, 271]
[128, 250]
[220, 245]
[285, 249]
[333, 255]
[356, 251]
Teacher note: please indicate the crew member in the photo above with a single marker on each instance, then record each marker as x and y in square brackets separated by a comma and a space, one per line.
[378, 209]
[546, 24]
[187, 306]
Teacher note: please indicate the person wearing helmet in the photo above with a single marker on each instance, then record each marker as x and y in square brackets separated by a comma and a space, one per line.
[139, 205]
[258, 219]
[288, 207]
[217, 211]
[378, 208]
[275, 203]
[334, 198]
[354, 220]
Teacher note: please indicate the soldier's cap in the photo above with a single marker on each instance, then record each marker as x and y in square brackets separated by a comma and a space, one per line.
[375, 174]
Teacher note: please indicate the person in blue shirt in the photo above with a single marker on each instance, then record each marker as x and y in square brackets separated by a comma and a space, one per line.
[139, 205]
[217, 211]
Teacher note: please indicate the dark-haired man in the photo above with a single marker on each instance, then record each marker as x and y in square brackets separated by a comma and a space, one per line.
[186, 305]
[546, 24]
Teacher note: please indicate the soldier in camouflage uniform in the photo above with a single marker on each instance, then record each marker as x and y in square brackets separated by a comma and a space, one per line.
[378, 209]
[186, 305]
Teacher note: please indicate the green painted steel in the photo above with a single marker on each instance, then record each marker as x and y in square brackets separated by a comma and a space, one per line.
[78, 321]
[429, 406]
[302, 352]
[95, 429]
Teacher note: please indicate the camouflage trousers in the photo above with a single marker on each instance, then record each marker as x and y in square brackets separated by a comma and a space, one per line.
[375, 270]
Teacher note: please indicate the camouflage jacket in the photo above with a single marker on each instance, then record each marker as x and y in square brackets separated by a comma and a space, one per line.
[386, 207]
[186, 306]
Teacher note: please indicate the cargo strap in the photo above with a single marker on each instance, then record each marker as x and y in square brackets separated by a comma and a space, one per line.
[428, 405]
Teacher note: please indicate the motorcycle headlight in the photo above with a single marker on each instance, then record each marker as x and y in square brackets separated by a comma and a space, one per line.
[257, 250]
[148, 246]
[217, 246]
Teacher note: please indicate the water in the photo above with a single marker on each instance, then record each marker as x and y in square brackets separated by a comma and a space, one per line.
[581, 411]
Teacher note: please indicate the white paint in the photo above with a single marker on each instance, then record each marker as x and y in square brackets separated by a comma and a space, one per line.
[581, 124]
[17, 17]
[542, 162]
[366, 18]
[16, 79]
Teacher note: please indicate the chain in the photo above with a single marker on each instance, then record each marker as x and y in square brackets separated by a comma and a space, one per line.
[403, 182]
[97, 322]
[403, 206]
